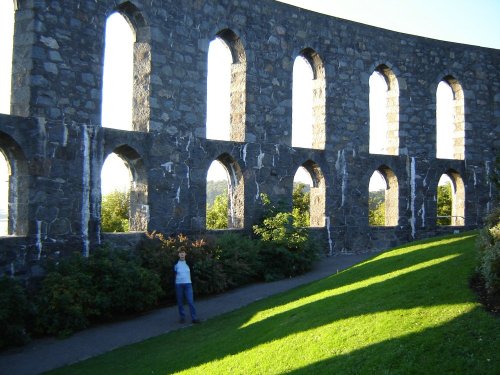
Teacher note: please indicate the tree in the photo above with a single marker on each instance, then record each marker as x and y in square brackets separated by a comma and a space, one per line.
[444, 202]
[376, 208]
[115, 212]
[301, 202]
[217, 212]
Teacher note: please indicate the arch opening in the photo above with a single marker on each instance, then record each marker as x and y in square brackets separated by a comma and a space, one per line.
[226, 88]
[383, 198]
[7, 16]
[308, 198]
[450, 200]
[117, 97]
[384, 112]
[4, 195]
[450, 120]
[225, 194]
[124, 205]
[308, 101]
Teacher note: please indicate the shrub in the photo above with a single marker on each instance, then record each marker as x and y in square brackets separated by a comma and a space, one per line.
[287, 250]
[65, 301]
[239, 256]
[14, 312]
[78, 290]
[159, 253]
[122, 285]
[488, 246]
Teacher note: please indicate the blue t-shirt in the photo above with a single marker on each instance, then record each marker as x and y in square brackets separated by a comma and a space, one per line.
[182, 273]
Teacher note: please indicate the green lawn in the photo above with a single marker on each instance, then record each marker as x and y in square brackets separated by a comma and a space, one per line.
[406, 311]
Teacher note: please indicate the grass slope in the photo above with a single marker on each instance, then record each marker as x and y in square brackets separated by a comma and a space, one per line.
[406, 311]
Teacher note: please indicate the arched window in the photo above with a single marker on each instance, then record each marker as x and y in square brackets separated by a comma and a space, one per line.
[383, 198]
[308, 101]
[450, 200]
[14, 188]
[450, 120]
[124, 205]
[302, 98]
[219, 90]
[226, 88]
[218, 210]
[6, 43]
[309, 195]
[225, 194]
[384, 112]
[118, 73]
[4, 195]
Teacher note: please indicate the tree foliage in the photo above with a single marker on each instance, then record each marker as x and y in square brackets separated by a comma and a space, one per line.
[376, 208]
[217, 212]
[301, 201]
[115, 212]
[444, 202]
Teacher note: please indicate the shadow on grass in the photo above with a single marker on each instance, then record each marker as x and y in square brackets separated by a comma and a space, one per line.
[228, 335]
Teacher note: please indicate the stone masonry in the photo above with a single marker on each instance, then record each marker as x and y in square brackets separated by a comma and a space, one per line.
[55, 144]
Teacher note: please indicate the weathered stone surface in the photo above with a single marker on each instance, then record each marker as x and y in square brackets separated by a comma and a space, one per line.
[56, 146]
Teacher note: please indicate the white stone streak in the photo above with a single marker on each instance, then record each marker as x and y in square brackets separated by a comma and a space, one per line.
[187, 175]
[340, 166]
[488, 181]
[233, 173]
[412, 197]
[189, 142]
[258, 188]
[85, 213]
[244, 153]
[330, 242]
[168, 166]
[422, 215]
[38, 244]
[178, 195]
[260, 157]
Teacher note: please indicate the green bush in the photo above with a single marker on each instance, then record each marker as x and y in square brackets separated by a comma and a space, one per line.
[287, 249]
[14, 312]
[77, 291]
[488, 246]
[122, 285]
[239, 256]
[159, 253]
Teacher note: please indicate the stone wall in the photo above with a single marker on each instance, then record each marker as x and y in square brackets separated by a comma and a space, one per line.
[56, 146]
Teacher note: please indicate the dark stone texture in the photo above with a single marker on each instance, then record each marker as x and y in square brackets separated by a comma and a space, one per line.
[56, 145]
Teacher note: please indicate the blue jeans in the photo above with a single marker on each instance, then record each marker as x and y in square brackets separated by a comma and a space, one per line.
[181, 291]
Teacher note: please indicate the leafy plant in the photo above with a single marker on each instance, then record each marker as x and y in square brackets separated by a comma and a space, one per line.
[444, 203]
[301, 202]
[115, 212]
[488, 247]
[376, 208]
[217, 212]
[287, 250]
[14, 312]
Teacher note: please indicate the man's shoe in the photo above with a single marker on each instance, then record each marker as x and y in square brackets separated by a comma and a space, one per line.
[195, 321]
[182, 320]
